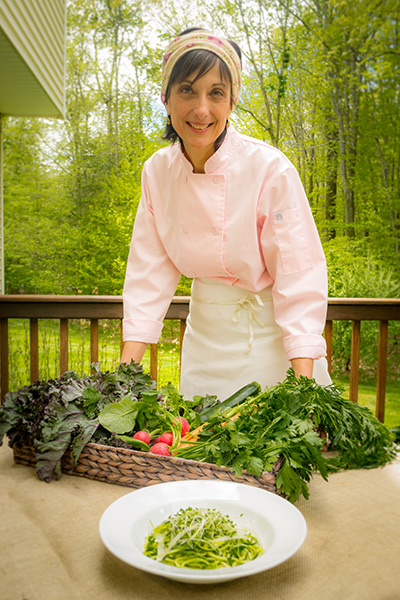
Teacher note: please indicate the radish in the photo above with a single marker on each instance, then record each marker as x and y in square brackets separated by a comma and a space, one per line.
[167, 438]
[184, 426]
[143, 436]
[160, 448]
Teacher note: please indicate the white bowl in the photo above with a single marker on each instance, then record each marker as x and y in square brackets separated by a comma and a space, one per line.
[278, 524]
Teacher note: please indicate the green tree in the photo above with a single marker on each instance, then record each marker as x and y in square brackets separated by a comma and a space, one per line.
[320, 81]
[30, 205]
[110, 130]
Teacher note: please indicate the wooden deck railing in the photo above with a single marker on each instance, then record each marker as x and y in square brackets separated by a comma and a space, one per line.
[94, 308]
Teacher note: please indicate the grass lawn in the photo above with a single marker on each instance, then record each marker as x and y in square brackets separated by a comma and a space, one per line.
[79, 350]
[109, 352]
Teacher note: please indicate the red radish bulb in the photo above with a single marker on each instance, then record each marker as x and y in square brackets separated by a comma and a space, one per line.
[160, 448]
[143, 436]
[166, 438]
[184, 426]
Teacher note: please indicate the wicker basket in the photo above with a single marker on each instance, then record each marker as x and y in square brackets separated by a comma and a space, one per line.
[133, 468]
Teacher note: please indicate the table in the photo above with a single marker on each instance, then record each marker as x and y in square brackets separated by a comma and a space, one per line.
[51, 549]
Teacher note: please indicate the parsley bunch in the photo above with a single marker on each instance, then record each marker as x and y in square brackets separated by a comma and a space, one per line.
[283, 421]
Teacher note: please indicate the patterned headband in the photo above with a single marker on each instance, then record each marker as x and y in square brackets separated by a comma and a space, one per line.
[202, 40]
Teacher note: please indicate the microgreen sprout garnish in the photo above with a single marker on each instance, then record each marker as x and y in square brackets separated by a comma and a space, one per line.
[201, 538]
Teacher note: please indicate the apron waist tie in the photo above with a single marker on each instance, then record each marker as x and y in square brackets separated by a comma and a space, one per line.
[251, 303]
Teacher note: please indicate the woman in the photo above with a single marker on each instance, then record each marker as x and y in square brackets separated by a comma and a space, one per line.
[230, 212]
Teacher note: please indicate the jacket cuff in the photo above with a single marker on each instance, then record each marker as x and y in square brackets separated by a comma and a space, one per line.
[137, 330]
[304, 346]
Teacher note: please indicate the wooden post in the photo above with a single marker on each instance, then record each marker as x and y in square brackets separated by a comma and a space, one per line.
[153, 361]
[381, 374]
[328, 339]
[2, 267]
[94, 340]
[354, 360]
[63, 345]
[34, 345]
[181, 334]
[4, 357]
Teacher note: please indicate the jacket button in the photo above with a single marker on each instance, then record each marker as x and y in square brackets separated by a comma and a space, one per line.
[216, 180]
[215, 231]
[184, 229]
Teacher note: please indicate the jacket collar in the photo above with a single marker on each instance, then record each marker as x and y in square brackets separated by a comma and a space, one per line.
[220, 159]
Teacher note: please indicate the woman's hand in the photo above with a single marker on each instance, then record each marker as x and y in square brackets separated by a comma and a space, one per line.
[133, 351]
[303, 366]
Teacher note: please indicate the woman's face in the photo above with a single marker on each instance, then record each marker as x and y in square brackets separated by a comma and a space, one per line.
[199, 111]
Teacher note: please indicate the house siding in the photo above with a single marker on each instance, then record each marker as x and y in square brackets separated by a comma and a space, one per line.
[36, 30]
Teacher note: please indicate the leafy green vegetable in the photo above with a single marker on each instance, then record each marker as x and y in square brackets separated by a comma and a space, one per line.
[60, 415]
[282, 422]
[151, 412]
[191, 410]
[119, 417]
[91, 399]
[64, 414]
[67, 428]
[201, 538]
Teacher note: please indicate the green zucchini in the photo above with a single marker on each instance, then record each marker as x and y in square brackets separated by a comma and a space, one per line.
[251, 389]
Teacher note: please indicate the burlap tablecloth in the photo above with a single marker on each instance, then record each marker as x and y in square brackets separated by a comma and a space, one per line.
[51, 549]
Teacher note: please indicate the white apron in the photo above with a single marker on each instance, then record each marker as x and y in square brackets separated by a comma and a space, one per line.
[232, 339]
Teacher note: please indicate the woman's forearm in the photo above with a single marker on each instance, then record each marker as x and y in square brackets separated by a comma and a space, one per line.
[303, 366]
[133, 351]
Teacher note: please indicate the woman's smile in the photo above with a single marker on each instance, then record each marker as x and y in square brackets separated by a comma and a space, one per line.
[199, 126]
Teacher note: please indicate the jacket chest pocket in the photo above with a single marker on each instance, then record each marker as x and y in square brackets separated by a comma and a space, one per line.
[292, 242]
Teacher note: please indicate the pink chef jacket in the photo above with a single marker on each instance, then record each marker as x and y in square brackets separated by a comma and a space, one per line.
[245, 222]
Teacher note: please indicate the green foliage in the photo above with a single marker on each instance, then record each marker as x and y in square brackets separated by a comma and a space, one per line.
[319, 82]
[71, 191]
[79, 349]
[284, 420]
[354, 272]
[367, 396]
[30, 205]
[57, 415]
[184, 286]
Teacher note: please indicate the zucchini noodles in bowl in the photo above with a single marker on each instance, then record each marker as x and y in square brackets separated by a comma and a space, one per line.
[201, 538]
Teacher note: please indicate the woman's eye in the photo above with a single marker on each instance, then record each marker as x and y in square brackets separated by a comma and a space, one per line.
[186, 89]
[217, 93]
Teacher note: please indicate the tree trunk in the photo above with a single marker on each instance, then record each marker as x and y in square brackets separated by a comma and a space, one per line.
[331, 181]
